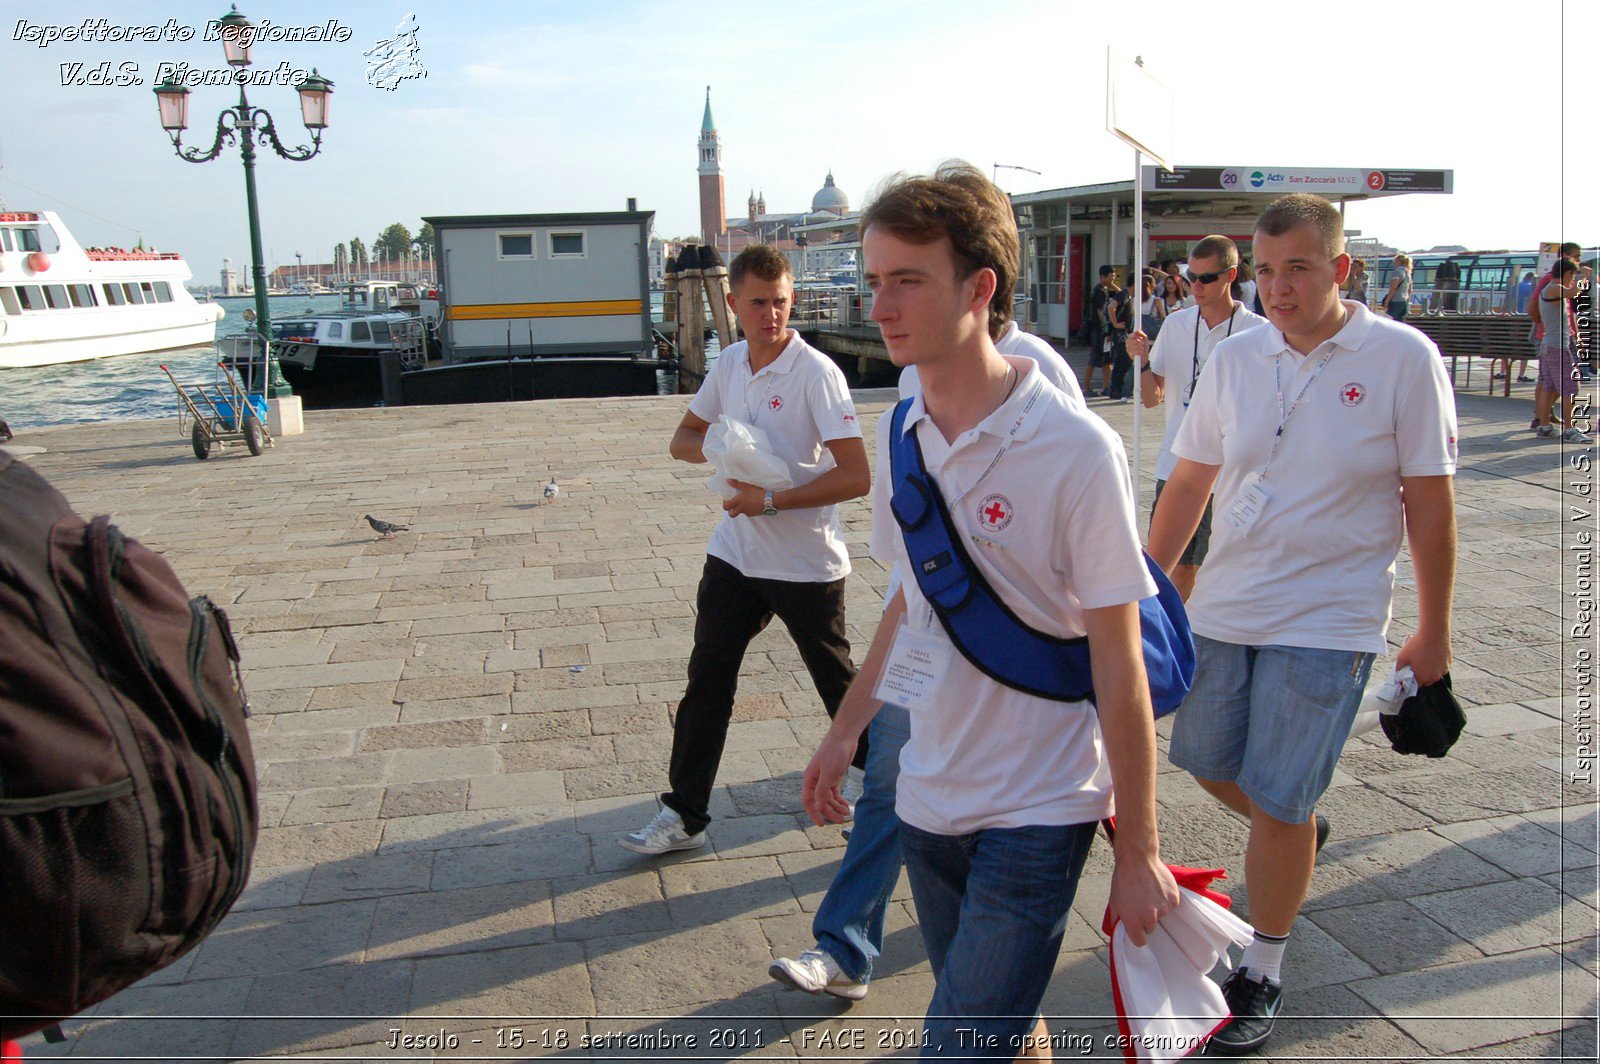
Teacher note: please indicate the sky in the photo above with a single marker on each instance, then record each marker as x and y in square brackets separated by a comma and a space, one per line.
[543, 106]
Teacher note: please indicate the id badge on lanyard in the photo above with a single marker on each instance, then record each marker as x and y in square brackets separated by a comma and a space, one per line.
[914, 670]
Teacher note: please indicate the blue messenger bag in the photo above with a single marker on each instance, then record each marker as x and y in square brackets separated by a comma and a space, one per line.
[997, 642]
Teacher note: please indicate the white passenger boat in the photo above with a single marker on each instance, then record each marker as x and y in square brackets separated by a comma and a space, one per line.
[61, 302]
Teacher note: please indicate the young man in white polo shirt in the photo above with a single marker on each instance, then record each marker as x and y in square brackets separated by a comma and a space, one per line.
[1000, 791]
[1327, 435]
[848, 927]
[775, 553]
[1171, 368]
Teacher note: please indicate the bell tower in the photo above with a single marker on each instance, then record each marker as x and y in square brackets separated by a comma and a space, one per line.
[713, 212]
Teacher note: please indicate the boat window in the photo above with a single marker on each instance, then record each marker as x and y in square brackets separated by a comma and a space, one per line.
[30, 297]
[114, 296]
[163, 292]
[56, 296]
[149, 291]
[5, 240]
[516, 245]
[380, 332]
[28, 240]
[568, 245]
[83, 295]
[8, 300]
[358, 331]
[336, 331]
[132, 292]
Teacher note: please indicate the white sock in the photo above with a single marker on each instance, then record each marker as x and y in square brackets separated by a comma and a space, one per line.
[1264, 957]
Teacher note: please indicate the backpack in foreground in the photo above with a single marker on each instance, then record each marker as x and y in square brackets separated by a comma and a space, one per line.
[127, 786]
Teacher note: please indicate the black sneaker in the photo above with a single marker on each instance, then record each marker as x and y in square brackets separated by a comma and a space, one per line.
[1254, 1004]
[1322, 831]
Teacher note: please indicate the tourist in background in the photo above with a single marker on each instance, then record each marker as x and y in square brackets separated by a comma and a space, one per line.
[1570, 252]
[1171, 295]
[1398, 300]
[1171, 367]
[1119, 320]
[1100, 340]
[1245, 288]
[1150, 310]
[1558, 369]
[1356, 286]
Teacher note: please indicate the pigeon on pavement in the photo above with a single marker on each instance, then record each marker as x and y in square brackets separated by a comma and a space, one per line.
[384, 528]
[551, 490]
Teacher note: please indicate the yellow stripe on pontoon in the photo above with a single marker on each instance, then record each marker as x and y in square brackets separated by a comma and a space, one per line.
[588, 309]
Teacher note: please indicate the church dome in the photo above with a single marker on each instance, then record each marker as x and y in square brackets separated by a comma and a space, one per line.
[830, 197]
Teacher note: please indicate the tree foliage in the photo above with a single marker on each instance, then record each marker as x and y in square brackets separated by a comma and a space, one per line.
[393, 243]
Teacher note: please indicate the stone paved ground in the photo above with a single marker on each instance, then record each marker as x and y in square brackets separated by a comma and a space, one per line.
[453, 726]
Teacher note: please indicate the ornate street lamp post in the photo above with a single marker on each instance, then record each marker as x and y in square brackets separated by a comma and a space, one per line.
[249, 126]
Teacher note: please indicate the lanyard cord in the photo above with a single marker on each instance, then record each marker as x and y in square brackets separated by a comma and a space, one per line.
[1194, 358]
[1277, 439]
[1005, 445]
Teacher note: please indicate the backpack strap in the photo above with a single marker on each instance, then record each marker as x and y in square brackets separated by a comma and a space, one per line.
[984, 629]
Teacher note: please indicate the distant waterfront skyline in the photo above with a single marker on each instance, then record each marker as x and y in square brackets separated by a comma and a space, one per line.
[544, 107]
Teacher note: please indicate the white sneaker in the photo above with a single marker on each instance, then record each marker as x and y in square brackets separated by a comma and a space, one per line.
[663, 834]
[1545, 431]
[854, 785]
[816, 972]
[1574, 435]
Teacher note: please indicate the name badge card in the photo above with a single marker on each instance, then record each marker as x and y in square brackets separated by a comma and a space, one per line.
[916, 666]
[1248, 506]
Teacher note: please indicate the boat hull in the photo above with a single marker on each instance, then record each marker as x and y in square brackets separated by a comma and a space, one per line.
[335, 378]
[20, 353]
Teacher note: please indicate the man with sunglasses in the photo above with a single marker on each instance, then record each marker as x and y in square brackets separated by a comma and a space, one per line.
[1330, 438]
[1170, 369]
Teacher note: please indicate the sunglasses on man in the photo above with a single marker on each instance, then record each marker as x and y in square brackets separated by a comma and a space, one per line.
[1204, 278]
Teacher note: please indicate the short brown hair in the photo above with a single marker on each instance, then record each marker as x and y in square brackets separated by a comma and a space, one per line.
[1217, 247]
[761, 260]
[960, 203]
[1302, 208]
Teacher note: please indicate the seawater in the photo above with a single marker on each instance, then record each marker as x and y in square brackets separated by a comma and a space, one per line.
[128, 387]
[132, 387]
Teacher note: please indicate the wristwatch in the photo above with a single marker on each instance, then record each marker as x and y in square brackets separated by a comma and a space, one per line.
[767, 509]
[1144, 367]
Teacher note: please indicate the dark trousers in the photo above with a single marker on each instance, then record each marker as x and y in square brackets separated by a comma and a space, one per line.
[733, 609]
[1121, 363]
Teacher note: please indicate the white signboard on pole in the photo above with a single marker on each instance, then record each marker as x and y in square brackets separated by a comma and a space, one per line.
[1138, 108]
[1139, 113]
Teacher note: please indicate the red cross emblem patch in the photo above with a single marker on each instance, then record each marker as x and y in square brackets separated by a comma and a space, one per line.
[995, 513]
[775, 403]
[1352, 394]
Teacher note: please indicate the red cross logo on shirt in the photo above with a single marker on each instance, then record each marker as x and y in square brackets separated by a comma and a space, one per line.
[995, 512]
[1352, 394]
[776, 403]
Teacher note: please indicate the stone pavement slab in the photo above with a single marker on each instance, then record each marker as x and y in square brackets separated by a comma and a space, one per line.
[452, 727]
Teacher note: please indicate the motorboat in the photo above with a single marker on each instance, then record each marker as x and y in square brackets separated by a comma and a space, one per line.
[334, 358]
[62, 302]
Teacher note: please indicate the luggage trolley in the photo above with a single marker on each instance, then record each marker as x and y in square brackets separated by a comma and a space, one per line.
[222, 412]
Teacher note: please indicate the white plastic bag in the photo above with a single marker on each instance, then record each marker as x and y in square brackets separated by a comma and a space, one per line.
[1383, 700]
[742, 452]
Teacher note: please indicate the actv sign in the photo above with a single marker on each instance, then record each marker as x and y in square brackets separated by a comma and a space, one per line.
[1276, 180]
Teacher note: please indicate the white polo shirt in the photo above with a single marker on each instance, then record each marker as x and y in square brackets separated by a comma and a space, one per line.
[1317, 567]
[1016, 342]
[1053, 538]
[801, 402]
[1180, 353]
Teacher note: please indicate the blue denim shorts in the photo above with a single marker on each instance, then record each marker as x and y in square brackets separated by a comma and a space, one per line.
[1272, 719]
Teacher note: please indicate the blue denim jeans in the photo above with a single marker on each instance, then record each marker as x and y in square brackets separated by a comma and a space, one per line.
[992, 906]
[849, 922]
